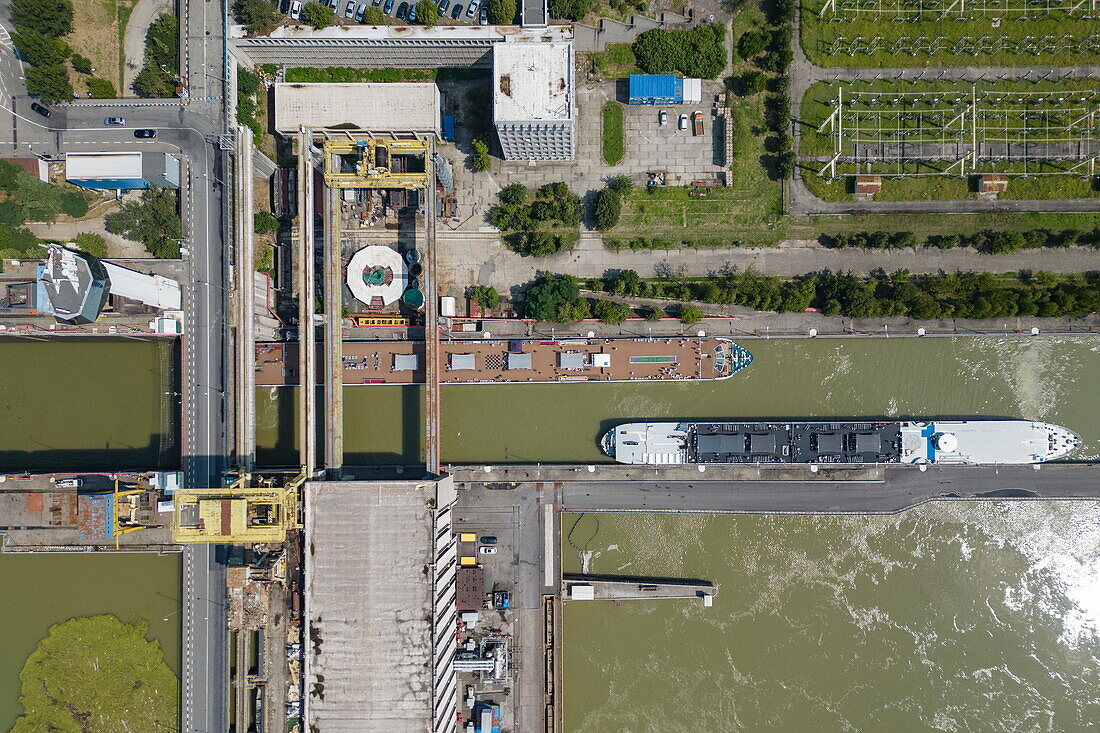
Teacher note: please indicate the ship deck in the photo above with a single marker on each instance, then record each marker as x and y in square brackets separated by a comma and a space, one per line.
[519, 361]
[848, 442]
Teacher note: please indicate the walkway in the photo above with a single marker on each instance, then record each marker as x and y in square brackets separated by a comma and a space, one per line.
[143, 15]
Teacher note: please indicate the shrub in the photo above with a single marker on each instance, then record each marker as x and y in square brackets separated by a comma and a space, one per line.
[785, 164]
[654, 314]
[151, 82]
[258, 16]
[515, 193]
[317, 15]
[484, 295]
[427, 13]
[610, 311]
[751, 82]
[53, 18]
[609, 206]
[374, 16]
[613, 146]
[502, 12]
[264, 222]
[481, 160]
[100, 88]
[621, 185]
[91, 243]
[49, 83]
[571, 9]
[783, 11]
[780, 54]
[555, 298]
[81, 64]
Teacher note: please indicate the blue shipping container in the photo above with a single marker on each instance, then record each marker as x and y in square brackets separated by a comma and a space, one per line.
[449, 128]
[656, 89]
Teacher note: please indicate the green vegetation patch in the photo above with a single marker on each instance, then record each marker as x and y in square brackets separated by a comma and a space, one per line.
[746, 213]
[699, 52]
[98, 674]
[613, 145]
[614, 62]
[970, 39]
[153, 220]
[539, 227]
[347, 75]
[157, 77]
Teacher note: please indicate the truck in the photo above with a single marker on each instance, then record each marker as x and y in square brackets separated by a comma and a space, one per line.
[697, 121]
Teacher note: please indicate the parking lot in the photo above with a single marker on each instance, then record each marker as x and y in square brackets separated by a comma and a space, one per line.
[474, 12]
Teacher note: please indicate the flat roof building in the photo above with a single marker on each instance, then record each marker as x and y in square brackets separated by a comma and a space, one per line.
[534, 100]
[114, 171]
[75, 286]
[405, 107]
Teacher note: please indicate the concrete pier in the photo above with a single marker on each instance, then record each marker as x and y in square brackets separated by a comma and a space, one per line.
[626, 588]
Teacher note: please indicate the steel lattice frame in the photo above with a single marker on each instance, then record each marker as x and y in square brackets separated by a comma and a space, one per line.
[965, 132]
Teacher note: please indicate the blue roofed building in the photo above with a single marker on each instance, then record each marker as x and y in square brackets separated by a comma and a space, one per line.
[112, 171]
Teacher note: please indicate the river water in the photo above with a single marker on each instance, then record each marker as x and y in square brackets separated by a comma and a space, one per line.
[43, 589]
[978, 616]
[1047, 378]
[88, 403]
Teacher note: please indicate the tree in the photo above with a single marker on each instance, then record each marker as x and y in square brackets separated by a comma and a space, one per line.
[654, 314]
[609, 207]
[374, 16]
[41, 50]
[151, 83]
[690, 315]
[751, 82]
[53, 18]
[101, 88]
[427, 12]
[515, 193]
[317, 15]
[72, 201]
[162, 44]
[154, 221]
[264, 222]
[555, 298]
[752, 43]
[81, 64]
[699, 52]
[502, 12]
[49, 83]
[610, 311]
[258, 16]
[91, 243]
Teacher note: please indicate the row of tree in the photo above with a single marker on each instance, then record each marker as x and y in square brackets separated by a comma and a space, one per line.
[528, 218]
[987, 241]
[40, 26]
[965, 295]
[158, 75]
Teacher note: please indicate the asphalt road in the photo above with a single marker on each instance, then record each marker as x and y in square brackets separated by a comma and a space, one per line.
[901, 489]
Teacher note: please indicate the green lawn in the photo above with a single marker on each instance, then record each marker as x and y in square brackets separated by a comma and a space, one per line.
[345, 74]
[818, 33]
[612, 133]
[746, 214]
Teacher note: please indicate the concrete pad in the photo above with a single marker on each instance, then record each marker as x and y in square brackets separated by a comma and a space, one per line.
[369, 606]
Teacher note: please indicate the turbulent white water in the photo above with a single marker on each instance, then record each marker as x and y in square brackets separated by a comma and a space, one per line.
[967, 616]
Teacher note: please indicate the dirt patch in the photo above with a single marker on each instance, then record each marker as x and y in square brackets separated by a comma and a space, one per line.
[98, 28]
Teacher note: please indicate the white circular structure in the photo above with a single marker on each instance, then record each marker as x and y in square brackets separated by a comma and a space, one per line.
[946, 442]
[377, 276]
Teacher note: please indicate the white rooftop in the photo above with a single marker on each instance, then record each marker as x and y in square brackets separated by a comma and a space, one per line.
[103, 165]
[532, 81]
[377, 276]
[412, 107]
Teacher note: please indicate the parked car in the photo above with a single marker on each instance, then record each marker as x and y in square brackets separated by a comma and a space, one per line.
[145, 134]
[484, 20]
[35, 106]
[662, 117]
[349, 9]
[697, 122]
[683, 122]
[488, 550]
[359, 12]
[488, 539]
[412, 13]
[296, 10]
[443, 6]
[402, 11]
[114, 121]
[472, 8]
[69, 483]
[388, 7]
[376, 2]
[457, 12]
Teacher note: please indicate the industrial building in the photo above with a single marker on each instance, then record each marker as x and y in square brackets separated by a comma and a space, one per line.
[125, 171]
[534, 101]
[74, 286]
[356, 108]
[664, 89]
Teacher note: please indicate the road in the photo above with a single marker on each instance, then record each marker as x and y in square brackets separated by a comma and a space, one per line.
[901, 489]
[184, 127]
